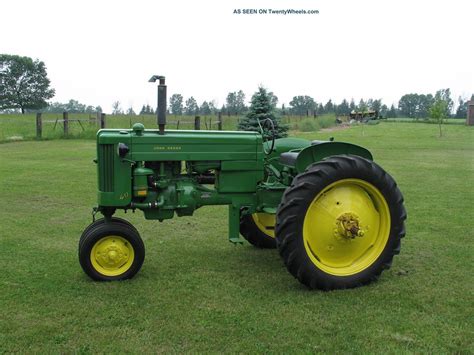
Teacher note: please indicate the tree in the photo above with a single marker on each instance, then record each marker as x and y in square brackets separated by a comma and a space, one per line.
[352, 105]
[261, 108]
[439, 109]
[273, 99]
[415, 105]
[146, 110]
[392, 113]
[300, 105]
[375, 105]
[320, 109]
[445, 95]
[362, 107]
[343, 109]
[235, 103]
[72, 106]
[24, 83]
[212, 107]
[407, 105]
[130, 111]
[329, 107]
[461, 111]
[116, 109]
[205, 109]
[176, 104]
[192, 107]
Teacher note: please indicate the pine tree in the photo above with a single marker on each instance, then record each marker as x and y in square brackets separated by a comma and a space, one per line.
[262, 107]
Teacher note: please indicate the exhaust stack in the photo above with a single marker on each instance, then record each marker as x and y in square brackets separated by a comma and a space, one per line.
[161, 108]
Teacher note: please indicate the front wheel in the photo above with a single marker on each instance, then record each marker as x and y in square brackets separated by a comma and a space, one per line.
[340, 223]
[111, 251]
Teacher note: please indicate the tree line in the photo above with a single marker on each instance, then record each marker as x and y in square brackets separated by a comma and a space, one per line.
[24, 86]
[410, 105]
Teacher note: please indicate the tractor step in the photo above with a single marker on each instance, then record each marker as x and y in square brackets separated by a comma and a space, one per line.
[236, 240]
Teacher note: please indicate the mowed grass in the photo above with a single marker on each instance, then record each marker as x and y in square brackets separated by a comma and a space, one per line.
[197, 292]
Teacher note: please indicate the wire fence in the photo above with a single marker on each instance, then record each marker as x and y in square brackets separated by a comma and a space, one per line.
[15, 127]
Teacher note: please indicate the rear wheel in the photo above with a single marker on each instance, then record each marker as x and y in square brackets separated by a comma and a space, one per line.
[111, 251]
[259, 229]
[340, 223]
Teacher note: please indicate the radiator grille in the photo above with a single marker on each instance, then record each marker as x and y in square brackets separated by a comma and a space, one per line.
[106, 167]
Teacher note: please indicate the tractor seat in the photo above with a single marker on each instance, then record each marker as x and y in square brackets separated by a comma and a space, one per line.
[288, 158]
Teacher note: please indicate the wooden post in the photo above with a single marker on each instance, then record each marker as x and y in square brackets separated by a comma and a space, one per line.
[470, 113]
[39, 126]
[197, 123]
[219, 121]
[102, 120]
[66, 123]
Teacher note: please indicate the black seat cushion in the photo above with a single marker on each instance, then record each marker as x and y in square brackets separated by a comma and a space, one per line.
[288, 158]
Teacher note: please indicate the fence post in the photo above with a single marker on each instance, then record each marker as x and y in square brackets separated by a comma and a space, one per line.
[102, 120]
[219, 121]
[66, 123]
[97, 118]
[39, 126]
[470, 113]
[197, 123]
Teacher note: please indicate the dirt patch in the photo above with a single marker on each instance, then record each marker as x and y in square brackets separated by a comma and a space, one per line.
[335, 128]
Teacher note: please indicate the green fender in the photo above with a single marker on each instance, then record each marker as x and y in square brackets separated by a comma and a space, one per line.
[321, 150]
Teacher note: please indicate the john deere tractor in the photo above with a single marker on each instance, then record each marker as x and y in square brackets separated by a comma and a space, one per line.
[335, 216]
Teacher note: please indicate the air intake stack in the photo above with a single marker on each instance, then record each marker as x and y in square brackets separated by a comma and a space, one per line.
[161, 109]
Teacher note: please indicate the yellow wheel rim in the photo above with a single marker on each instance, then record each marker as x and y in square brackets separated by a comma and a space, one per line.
[265, 222]
[346, 227]
[112, 255]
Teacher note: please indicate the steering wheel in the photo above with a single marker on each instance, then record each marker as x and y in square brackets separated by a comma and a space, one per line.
[265, 121]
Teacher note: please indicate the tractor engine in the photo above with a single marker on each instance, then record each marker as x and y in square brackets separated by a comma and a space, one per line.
[177, 172]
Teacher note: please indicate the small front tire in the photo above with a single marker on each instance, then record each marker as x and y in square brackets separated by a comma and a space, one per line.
[111, 251]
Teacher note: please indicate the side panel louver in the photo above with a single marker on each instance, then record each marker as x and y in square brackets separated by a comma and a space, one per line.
[106, 167]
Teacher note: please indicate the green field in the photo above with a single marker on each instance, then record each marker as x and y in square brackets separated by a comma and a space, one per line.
[197, 292]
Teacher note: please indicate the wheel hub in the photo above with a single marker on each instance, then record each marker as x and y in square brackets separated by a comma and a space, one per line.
[348, 226]
[112, 255]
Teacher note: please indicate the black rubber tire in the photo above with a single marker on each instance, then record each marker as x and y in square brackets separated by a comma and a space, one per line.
[250, 231]
[102, 220]
[298, 197]
[100, 230]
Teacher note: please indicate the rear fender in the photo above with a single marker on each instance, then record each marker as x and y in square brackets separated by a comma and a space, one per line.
[321, 150]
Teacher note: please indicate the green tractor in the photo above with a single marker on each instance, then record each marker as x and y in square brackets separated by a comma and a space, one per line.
[335, 216]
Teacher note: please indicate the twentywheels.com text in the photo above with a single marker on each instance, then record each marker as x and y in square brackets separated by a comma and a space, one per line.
[274, 12]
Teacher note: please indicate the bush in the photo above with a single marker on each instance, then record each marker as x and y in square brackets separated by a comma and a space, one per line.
[308, 125]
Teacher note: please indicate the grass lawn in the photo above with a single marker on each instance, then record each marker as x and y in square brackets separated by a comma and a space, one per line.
[197, 292]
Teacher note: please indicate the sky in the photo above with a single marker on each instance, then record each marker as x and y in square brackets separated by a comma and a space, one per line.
[102, 51]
